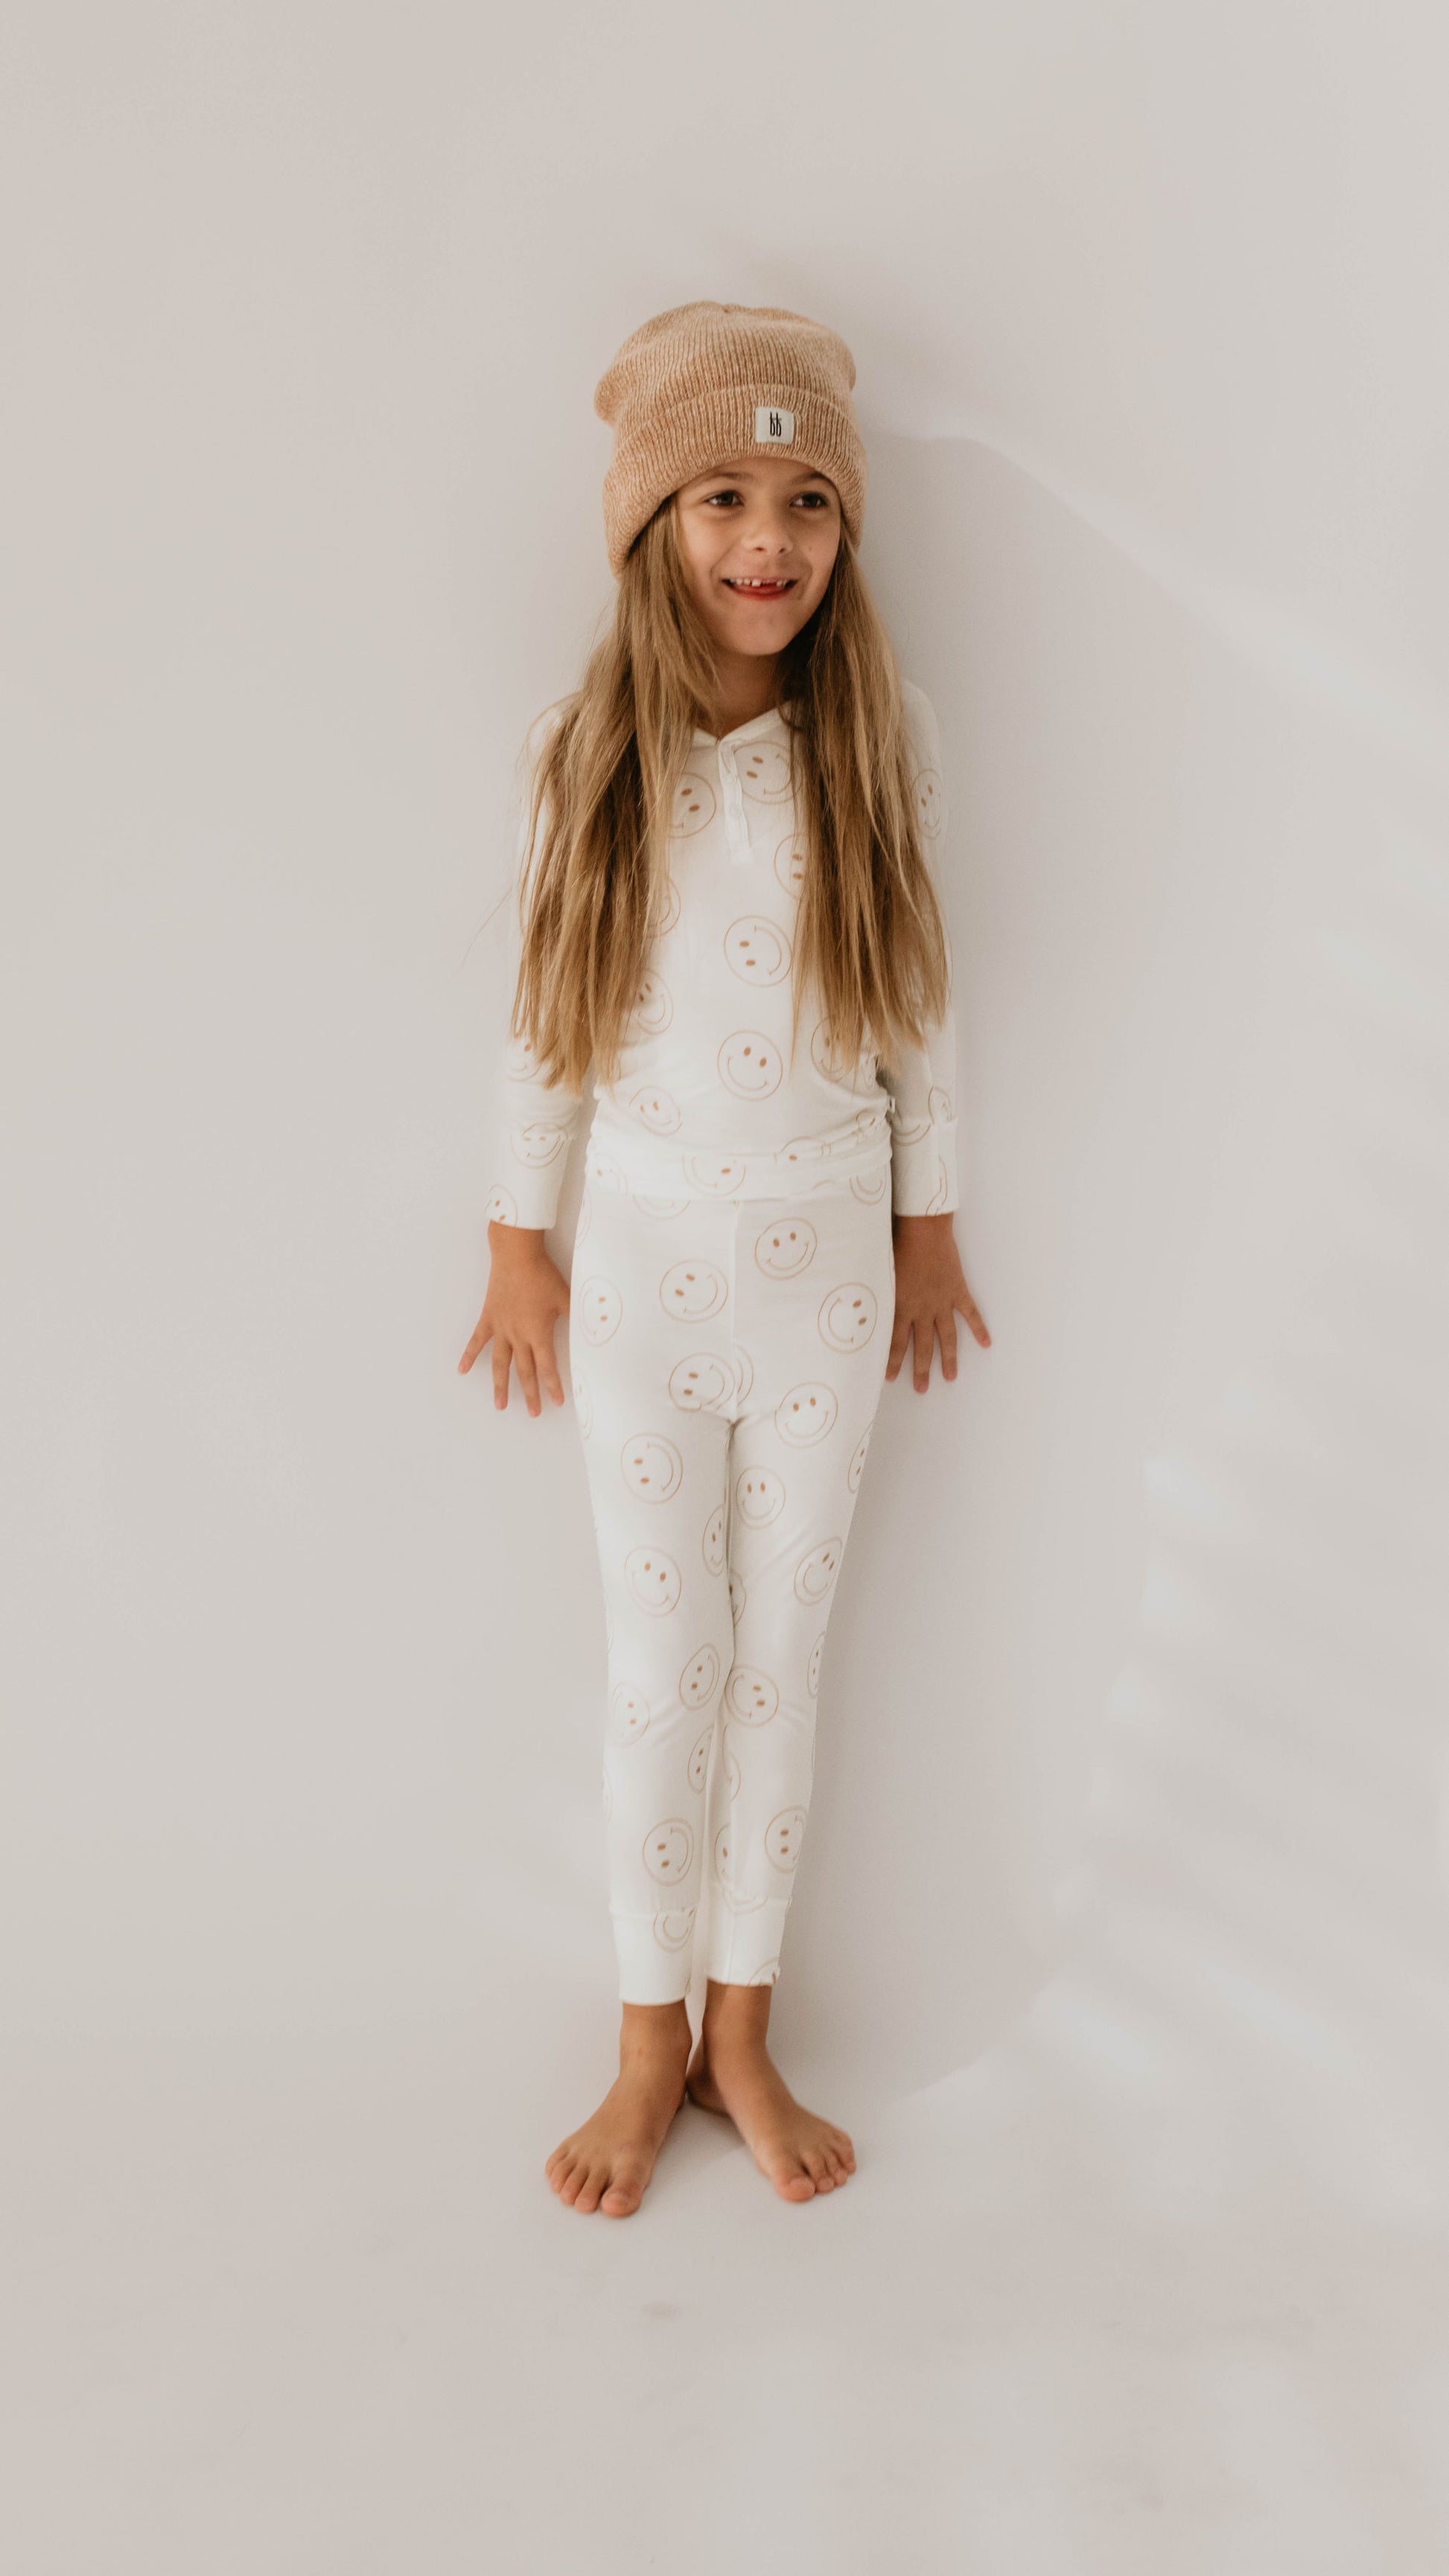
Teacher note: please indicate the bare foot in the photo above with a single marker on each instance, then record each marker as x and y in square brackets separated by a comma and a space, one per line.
[732, 2072]
[607, 2163]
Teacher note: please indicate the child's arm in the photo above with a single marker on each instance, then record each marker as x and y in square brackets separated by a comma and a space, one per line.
[931, 1286]
[526, 1292]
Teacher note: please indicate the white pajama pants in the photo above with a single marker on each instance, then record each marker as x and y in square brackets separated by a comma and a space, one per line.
[727, 1361]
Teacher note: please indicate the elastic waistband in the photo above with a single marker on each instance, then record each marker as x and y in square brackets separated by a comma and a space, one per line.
[620, 1158]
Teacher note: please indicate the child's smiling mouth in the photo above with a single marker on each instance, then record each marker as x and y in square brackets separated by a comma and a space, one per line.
[759, 589]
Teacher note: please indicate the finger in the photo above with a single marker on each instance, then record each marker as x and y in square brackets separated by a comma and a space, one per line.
[500, 1372]
[925, 1343]
[548, 1370]
[483, 1332]
[527, 1377]
[972, 1313]
[900, 1335]
[946, 1329]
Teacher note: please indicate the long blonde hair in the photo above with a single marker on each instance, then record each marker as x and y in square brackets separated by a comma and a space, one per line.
[869, 938]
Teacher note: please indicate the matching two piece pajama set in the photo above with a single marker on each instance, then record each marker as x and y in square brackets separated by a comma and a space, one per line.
[731, 1309]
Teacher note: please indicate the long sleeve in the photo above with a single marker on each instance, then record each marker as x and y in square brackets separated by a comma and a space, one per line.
[536, 1120]
[922, 1080]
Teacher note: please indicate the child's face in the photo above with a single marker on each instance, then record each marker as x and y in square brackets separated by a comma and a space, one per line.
[758, 542]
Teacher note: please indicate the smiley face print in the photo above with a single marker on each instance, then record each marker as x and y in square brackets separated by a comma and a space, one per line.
[832, 1062]
[856, 1469]
[661, 1207]
[657, 1110]
[751, 1696]
[537, 1144]
[812, 1669]
[700, 1678]
[801, 1152]
[816, 1572]
[697, 1768]
[806, 1414]
[784, 1835]
[667, 906]
[744, 1374]
[757, 950]
[704, 1383]
[930, 798]
[502, 1208]
[692, 1290]
[935, 1204]
[629, 1713]
[790, 866]
[717, 1175]
[769, 1975]
[870, 1187]
[604, 1174]
[765, 773]
[712, 1545]
[734, 1778]
[668, 1850]
[653, 1005]
[673, 1931]
[940, 1104]
[519, 1061]
[693, 807]
[654, 1580]
[601, 1309]
[783, 1251]
[759, 1497]
[738, 1596]
[750, 1065]
[651, 1467]
[848, 1316]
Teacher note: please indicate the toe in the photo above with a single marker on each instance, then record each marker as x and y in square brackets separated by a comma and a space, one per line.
[621, 2199]
[591, 2191]
[792, 2184]
[817, 2166]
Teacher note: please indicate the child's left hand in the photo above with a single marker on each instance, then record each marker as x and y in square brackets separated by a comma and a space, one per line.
[931, 1291]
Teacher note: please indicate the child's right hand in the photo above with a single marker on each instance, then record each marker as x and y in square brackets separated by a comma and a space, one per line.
[526, 1295]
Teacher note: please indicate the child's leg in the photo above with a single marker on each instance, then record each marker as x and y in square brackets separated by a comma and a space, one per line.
[649, 1347]
[654, 1387]
[814, 1303]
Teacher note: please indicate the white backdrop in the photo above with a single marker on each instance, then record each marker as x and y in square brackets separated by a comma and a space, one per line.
[1134, 1693]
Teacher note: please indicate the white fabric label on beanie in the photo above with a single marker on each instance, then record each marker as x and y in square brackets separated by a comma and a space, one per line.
[773, 427]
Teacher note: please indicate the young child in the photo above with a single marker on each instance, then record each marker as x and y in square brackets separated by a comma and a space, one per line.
[726, 911]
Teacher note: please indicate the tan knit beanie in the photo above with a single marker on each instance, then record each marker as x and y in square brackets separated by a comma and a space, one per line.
[708, 382]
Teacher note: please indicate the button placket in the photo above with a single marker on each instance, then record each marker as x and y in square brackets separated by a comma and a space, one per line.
[737, 830]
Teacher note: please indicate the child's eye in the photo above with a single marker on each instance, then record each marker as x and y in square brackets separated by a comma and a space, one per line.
[814, 500]
[721, 496]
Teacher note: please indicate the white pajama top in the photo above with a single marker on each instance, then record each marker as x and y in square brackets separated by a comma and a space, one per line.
[709, 1101]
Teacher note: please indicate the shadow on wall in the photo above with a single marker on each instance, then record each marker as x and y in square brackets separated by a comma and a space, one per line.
[1118, 788]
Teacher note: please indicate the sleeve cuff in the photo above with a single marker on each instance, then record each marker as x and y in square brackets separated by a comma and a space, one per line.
[528, 1176]
[923, 1172]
